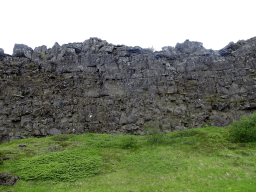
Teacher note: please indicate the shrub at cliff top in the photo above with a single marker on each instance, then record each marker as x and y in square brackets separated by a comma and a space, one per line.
[244, 130]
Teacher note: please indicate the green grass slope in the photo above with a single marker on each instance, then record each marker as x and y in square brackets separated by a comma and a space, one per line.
[198, 159]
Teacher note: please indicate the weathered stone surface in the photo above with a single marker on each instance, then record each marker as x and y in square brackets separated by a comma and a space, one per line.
[218, 121]
[179, 128]
[123, 119]
[181, 110]
[96, 86]
[39, 53]
[21, 50]
[1, 51]
[53, 131]
[8, 179]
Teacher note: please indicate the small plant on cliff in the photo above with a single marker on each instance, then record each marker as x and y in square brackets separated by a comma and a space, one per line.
[244, 130]
[193, 83]
[44, 56]
[18, 95]
[24, 134]
[152, 49]
[243, 100]
[31, 66]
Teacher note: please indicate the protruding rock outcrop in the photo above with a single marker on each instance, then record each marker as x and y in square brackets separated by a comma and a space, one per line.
[96, 86]
[21, 50]
[8, 179]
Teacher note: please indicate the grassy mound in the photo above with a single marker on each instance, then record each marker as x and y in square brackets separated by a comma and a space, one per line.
[59, 166]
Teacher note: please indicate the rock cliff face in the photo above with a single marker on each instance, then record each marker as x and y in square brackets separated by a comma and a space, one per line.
[95, 86]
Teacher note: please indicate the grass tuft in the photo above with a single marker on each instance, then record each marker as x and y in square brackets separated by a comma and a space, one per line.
[129, 142]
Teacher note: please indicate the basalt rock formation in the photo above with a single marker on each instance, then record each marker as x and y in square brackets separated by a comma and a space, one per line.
[99, 87]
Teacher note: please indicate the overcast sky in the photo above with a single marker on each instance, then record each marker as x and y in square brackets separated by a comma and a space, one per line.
[143, 23]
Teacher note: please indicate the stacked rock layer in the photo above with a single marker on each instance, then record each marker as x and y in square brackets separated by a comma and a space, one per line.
[99, 87]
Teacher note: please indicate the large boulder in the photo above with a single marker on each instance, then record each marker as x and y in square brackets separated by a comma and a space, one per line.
[21, 50]
[8, 179]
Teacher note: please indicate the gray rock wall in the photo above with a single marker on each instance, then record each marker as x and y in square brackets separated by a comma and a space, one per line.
[95, 86]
